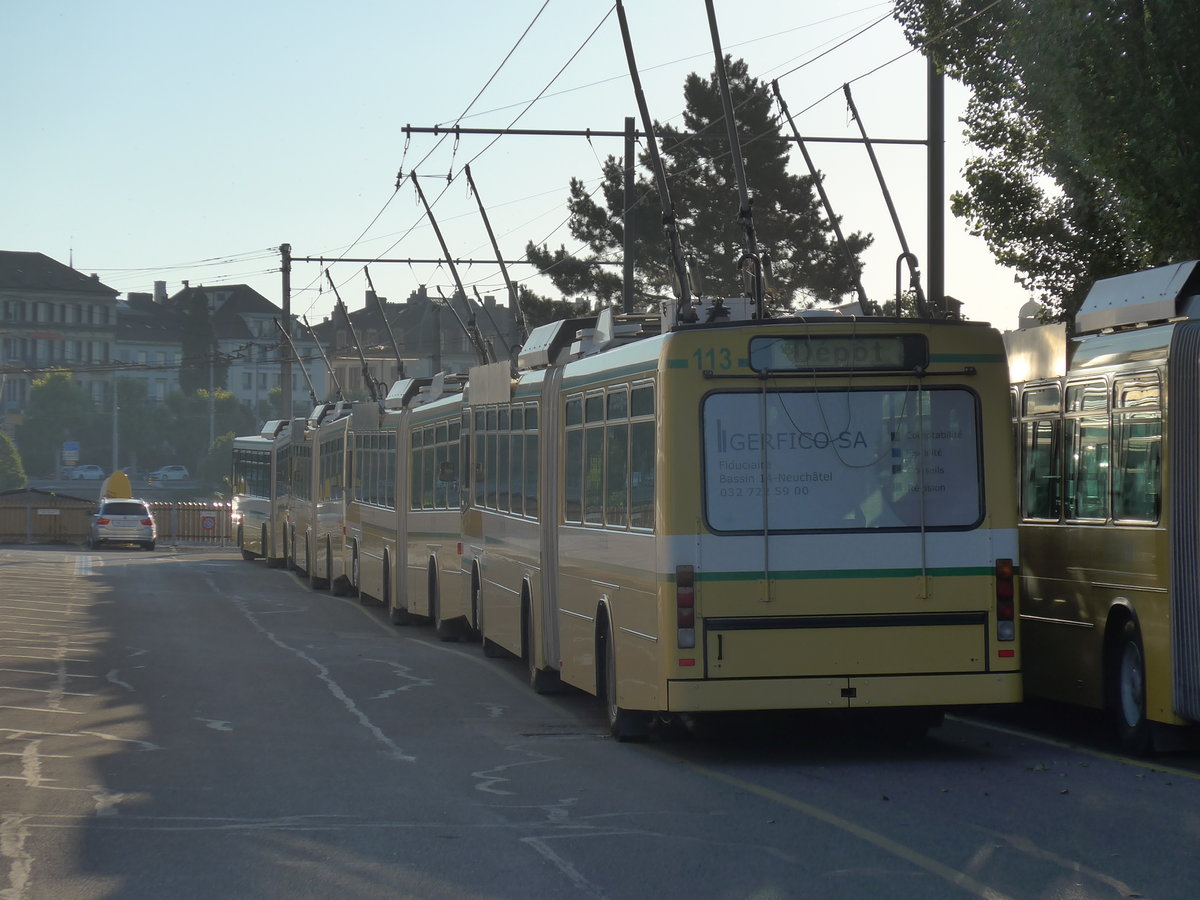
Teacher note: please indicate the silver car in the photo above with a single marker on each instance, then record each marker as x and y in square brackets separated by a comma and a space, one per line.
[123, 522]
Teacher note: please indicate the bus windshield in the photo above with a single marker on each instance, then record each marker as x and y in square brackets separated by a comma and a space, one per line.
[842, 460]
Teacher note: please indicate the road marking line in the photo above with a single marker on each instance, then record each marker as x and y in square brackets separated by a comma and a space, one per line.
[1151, 765]
[908, 854]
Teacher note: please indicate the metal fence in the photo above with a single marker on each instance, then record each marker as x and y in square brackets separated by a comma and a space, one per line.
[43, 517]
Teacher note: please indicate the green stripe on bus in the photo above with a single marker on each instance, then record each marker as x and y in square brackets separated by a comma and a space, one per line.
[831, 574]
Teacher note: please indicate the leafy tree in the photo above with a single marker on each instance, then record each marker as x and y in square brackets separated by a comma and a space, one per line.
[59, 409]
[202, 366]
[12, 473]
[190, 418]
[700, 175]
[215, 468]
[1087, 118]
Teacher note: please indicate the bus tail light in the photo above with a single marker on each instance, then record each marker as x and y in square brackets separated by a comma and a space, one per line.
[1006, 626]
[685, 606]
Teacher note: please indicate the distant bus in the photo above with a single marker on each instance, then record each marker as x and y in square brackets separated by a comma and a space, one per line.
[807, 513]
[1108, 429]
[261, 466]
[371, 523]
[432, 583]
[325, 512]
[316, 512]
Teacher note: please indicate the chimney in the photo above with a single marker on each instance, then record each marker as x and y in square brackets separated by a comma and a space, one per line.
[489, 301]
[160, 292]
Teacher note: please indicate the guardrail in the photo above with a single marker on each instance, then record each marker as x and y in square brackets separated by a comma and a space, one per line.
[192, 522]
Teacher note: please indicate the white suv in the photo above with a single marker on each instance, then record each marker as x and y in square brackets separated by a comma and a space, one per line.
[123, 521]
[169, 473]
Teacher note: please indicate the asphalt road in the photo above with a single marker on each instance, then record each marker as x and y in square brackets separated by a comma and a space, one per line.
[183, 724]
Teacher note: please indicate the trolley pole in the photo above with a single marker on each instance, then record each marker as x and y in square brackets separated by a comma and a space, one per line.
[285, 351]
[630, 214]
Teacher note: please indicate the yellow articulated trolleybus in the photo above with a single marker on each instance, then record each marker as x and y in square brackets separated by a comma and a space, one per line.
[403, 517]
[325, 537]
[1109, 436]
[316, 511]
[261, 470]
[804, 513]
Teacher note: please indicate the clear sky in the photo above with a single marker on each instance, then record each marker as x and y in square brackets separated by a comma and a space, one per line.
[152, 142]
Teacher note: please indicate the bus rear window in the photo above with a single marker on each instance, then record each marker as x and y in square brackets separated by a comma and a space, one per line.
[842, 460]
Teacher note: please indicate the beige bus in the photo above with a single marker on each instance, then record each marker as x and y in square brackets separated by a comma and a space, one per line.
[1108, 432]
[805, 513]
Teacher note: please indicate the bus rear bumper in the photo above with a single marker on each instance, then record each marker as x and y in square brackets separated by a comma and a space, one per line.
[858, 692]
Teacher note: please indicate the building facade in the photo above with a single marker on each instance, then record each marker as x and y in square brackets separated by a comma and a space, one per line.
[52, 316]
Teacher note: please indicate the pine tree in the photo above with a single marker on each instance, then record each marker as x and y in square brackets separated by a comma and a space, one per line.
[806, 265]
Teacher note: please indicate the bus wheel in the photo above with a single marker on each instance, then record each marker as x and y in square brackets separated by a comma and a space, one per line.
[1128, 683]
[625, 724]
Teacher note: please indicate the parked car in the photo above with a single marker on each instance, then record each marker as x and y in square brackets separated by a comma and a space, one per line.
[90, 473]
[123, 521]
[169, 473]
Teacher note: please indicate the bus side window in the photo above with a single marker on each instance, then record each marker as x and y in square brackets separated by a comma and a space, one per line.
[1087, 469]
[1137, 487]
[1040, 495]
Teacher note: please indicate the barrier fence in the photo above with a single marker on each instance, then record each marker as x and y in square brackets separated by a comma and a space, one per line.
[38, 517]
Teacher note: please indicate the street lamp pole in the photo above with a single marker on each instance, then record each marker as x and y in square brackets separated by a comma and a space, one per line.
[115, 431]
[212, 408]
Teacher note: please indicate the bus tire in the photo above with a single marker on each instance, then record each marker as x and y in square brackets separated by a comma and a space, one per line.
[1127, 682]
[623, 724]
